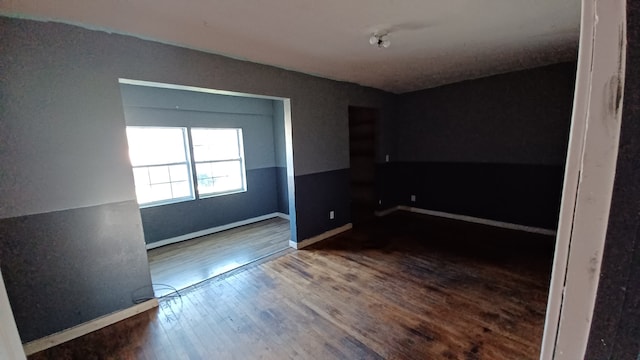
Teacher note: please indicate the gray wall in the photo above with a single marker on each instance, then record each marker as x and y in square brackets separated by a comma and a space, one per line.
[149, 106]
[64, 157]
[491, 148]
[521, 117]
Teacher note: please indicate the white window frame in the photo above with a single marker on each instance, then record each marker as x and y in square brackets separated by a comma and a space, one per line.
[241, 159]
[187, 163]
[191, 163]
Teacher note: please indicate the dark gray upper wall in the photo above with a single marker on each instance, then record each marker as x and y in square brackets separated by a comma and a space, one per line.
[149, 106]
[521, 118]
[63, 127]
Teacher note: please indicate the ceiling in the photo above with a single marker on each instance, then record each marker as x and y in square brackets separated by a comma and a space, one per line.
[433, 42]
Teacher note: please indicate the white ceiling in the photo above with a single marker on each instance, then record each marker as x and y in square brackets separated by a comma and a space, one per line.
[433, 42]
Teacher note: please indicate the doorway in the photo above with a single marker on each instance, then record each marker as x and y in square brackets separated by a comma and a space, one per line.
[211, 177]
[362, 157]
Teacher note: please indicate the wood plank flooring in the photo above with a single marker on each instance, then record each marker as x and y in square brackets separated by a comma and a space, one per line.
[407, 287]
[189, 262]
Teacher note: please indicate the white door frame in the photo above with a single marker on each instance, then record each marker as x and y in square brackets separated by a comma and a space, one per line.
[589, 176]
[10, 344]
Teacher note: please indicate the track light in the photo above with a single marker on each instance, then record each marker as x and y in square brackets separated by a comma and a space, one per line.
[380, 40]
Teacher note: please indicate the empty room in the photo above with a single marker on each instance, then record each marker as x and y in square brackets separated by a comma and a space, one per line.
[379, 180]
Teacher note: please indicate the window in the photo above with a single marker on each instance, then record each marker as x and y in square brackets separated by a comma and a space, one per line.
[218, 156]
[163, 163]
[160, 160]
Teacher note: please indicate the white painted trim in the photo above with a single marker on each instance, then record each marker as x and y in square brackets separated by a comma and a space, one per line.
[571, 178]
[10, 344]
[86, 328]
[325, 235]
[381, 213]
[590, 172]
[291, 179]
[195, 89]
[472, 219]
[214, 230]
[500, 224]
[282, 215]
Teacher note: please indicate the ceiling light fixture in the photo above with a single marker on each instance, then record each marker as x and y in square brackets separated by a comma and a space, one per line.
[380, 40]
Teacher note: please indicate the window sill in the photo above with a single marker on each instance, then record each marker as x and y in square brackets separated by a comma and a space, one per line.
[165, 202]
[207, 196]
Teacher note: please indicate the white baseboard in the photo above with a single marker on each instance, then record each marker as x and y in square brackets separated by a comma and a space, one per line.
[63, 336]
[214, 230]
[325, 235]
[500, 224]
[386, 211]
[283, 215]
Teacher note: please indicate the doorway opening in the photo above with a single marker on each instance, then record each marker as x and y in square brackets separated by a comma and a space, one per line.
[362, 159]
[213, 174]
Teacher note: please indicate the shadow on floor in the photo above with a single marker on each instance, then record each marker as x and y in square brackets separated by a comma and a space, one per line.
[406, 232]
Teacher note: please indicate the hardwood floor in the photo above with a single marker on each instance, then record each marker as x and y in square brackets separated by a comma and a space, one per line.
[189, 262]
[408, 287]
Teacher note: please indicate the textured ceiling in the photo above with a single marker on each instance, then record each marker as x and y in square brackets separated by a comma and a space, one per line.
[432, 42]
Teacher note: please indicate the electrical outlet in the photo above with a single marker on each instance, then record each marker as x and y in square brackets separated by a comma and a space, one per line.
[386, 158]
[413, 198]
[332, 215]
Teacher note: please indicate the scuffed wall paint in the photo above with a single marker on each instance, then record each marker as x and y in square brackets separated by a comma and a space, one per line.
[615, 329]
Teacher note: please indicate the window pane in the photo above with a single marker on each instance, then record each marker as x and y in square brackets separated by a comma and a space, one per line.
[162, 167]
[179, 172]
[161, 192]
[219, 177]
[159, 174]
[205, 178]
[144, 193]
[152, 150]
[215, 144]
[141, 176]
[155, 146]
[180, 189]
[153, 183]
